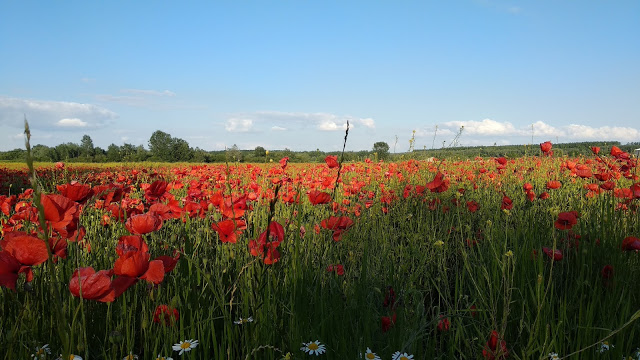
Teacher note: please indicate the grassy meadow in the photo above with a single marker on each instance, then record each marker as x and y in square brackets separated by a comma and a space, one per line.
[488, 258]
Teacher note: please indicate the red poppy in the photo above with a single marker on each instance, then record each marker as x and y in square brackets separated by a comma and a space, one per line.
[607, 272]
[284, 161]
[339, 269]
[129, 243]
[617, 153]
[228, 230]
[631, 243]
[136, 264]
[553, 184]
[75, 191]
[10, 267]
[635, 190]
[318, 197]
[472, 206]
[94, 285]
[546, 146]
[443, 324]
[268, 249]
[169, 262]
[332, 161]
[507, 203]
[438, 184]
[143, 223]
[556, 254]
[166, 315]
[566, 220]
[389, 298]
[156, 191]
[338, 225]
[26, 249]
[62, 213]
[595, 150]
[387, 322]
[491, 350]
[527, 187]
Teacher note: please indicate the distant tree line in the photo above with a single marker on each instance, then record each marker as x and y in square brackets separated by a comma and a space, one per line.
[162, 147]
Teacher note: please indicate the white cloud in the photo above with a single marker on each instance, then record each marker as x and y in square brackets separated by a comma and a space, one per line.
[148, 92]
[575, 132]
[48, 114]
[299, 120]
[278, 128]
[542, 129]
[74, 122]
[485, 127]
[238, 125]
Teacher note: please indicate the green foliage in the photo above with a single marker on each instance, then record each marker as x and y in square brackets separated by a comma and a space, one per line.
[381, 148]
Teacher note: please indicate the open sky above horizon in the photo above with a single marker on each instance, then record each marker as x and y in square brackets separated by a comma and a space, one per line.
[289, 74]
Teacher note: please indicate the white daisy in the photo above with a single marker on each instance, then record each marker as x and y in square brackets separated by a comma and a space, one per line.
[130, 357]
[71, 357]
[401, 356]
[184, 346]
[554, 356]
[604, 346]
[370, 355]
[163, 358]
[41, 352]
[313, 348]
[242, 321]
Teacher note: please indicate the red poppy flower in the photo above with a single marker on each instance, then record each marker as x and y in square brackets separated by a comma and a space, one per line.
[443, 324]
[507, 203]
[438, 184]
[95, 285]
[169, 262]
[566, 220]
[10, 267]
[228, 230]
[166, 315]
[143, 223]
[527, 187]
[472, 206]
[553, 184]
[389, 298]
[268, 249]
[318, 197]
[546, 146]
[27, 249]
[338, 225]
[631, 243]
[556, 254]
[635, 190]
[491, 350]
[595, 149]
[62, 213]
[387, 322]
[136, 264]
[129, 243]
[339, 269]
[284, 161]
[332, 161]
[156, 191]
[75, 191]
[607, 272]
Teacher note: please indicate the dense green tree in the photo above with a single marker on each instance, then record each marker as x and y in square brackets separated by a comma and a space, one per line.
[382, 148]
[86, 146]
[259, 151]
[160, 145]
[180, 150]
[113, 153]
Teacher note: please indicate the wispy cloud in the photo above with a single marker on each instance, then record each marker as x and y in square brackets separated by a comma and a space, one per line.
[238, 125]
[136, 97]
[53, 114]
[281, 121]
[492, 131]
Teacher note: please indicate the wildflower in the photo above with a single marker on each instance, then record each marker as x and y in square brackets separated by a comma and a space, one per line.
[491, 350]
[509, 253]
[401, 356]
[184, 346]
[604, 346]
[443, 324]
[555, 254]
[439, 243]
[332, 161]
[71, 357]
[163, 358]
[41, 352]
[631, 243]
[130, 356]
[566, 220]
[242, 321]
[554, 356]
[387, 322]
[370, 355]
[313, 348]
[165, 314]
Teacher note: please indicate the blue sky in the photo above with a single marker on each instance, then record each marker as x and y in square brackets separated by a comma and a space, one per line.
[289, 74]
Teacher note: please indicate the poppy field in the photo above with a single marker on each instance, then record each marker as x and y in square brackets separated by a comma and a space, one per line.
[487, 258]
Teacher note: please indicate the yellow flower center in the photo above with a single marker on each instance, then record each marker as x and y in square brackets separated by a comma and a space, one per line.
[185, 345]
[371, 356]
[313, 346]
[40, 352]
[404, 358]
